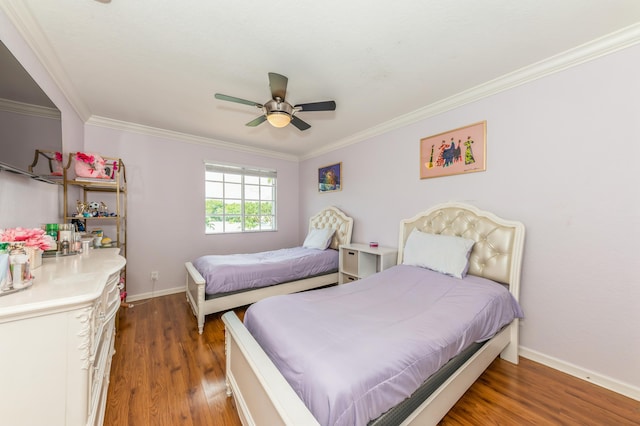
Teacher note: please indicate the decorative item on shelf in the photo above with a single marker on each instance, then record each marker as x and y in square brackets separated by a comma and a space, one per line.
[89, 165]
[81, 207]
[95, 209]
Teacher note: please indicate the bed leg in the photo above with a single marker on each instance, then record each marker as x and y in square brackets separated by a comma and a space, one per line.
[227, 353]
[200, 308]
[510, 353]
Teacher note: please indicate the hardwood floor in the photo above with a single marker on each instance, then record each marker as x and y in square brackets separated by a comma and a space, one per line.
[165, 373]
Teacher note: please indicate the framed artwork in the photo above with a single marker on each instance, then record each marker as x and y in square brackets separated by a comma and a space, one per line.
[462, 150]
[330, 178]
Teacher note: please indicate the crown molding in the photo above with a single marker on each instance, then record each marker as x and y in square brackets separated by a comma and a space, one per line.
[594, 49]
[8, 105]
[184, 137]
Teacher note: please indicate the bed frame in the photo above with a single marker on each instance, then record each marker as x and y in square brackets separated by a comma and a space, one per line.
[203, 304]
[262, 394]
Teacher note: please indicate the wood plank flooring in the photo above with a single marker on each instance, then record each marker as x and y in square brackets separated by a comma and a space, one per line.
[165, 373]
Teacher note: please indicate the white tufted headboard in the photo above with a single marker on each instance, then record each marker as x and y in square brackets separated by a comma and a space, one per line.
[497, 253]
[335, 219]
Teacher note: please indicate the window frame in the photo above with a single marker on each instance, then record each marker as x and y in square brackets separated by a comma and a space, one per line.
[230, 174]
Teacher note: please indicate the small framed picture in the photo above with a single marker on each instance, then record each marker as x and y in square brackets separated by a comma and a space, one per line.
[330, 178]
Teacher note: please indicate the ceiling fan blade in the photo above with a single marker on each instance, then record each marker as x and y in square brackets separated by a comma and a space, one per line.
[318, 106]
[278, 85]
[237, 100]
[301, 125]
[255, 122]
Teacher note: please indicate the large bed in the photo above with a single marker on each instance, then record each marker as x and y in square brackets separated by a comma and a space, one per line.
[204, 302]
[265, 394]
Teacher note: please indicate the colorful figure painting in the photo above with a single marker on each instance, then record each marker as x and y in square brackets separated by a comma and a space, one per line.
[330, 178]
[462, 150]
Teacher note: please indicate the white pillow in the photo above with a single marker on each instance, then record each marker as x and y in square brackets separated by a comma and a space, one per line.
[318, 238]
[442, 253]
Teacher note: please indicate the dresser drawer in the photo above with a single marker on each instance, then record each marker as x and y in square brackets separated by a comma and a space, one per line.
[112, 304]
[105, 310]
[112, 295]
[99, 375]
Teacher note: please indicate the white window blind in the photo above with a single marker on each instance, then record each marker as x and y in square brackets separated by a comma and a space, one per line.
[239, 199]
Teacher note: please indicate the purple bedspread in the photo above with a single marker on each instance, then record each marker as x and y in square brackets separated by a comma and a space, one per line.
[233, 272]
[353, 351]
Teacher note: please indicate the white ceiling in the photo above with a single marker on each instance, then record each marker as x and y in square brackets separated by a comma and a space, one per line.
[159, 63]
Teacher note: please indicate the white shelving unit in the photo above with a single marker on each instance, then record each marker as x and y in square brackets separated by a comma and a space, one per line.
[359, 261]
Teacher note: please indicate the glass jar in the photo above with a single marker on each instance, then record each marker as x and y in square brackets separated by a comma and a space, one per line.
[19, 265]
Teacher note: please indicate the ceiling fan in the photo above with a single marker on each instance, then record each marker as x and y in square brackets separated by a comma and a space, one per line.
[276, 110]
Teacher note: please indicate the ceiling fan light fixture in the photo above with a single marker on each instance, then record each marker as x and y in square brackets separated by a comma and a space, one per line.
[278, 119]
[278, 112]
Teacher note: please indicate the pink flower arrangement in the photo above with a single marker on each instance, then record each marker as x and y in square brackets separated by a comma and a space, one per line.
[58, 156]
[30, 237]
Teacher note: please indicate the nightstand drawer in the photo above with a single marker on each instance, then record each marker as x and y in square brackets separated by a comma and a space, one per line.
[348, 278]
[350, 261]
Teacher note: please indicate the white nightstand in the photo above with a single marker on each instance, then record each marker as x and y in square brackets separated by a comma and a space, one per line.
[359, 261]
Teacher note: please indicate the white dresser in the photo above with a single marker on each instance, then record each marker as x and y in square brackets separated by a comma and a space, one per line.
[57, 339]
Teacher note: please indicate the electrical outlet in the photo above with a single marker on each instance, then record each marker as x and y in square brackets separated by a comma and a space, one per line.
[154, 275]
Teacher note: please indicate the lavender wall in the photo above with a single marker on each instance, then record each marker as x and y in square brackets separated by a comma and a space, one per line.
[562, 158]
[165, 200]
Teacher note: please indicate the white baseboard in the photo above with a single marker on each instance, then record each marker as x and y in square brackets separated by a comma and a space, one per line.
[152, 294]
[581, 373]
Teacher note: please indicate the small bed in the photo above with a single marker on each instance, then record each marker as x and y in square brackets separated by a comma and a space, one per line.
[251, 271]
[265, 394]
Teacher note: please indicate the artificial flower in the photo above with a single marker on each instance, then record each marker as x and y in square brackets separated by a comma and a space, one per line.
[34, 237]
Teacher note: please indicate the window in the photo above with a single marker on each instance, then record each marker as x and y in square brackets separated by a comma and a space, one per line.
[239, 199]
